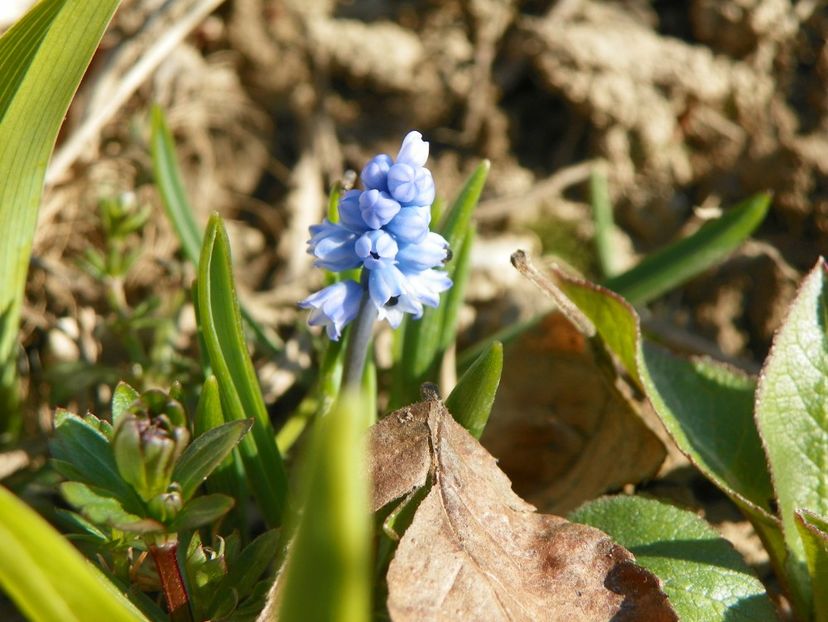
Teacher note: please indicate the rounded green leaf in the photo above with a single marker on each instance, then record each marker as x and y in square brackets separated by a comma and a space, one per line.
[704, 577]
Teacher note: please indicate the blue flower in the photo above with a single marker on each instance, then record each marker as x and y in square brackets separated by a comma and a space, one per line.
[410, 225]
[411, 185]
[376, 249]
[383, 229]
[414, 150]
[377, 208]
[334, 307]
[429, 253]
[350, 215]
[333, 247]
[374, 174]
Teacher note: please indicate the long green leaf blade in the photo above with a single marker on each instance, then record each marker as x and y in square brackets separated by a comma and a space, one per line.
[171, 188]
[327, 575]
[671, 266]
[47, 577]
[177, 207]
[42, 59]
[241, 396]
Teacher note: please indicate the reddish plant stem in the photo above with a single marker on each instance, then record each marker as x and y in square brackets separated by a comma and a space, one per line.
[166, 562]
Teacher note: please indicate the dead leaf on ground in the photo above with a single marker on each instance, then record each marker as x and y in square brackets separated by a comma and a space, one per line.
[561, 429]
[477, 551]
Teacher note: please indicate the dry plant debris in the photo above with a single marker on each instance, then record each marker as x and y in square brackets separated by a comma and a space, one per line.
[477, 551]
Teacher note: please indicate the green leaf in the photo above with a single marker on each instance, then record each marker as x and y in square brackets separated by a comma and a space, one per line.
[241, 397]
[602, 215]
[90, 457]
[423, 340]
[228, 477]
[813, 530]
[708, 409]
[791, 411]
[669, 267]
[178, 210]
[459, 270]
[122, 398]
[704, 577]
[171, 188]
[201, 511]
[206, 453]
[705, 406]
[327, 576]
[470, 403]
[245, 571]
[36, 563]
[42, 59]
[96, 505]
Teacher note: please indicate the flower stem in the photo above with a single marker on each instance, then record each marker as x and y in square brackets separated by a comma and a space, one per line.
[358, 342]
[166, 562]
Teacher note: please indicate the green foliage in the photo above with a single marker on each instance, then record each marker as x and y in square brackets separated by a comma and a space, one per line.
[671, 266]
[206, 453]
[813, 530]
[604, 225]
[704, 577]
[792, 417]
[42, 59]
[471, 401]
[327, 574]
[36, 563]
[709, 411]
[177, 207]
[220, 324]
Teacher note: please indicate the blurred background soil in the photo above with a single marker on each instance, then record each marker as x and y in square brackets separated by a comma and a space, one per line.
[688, 105]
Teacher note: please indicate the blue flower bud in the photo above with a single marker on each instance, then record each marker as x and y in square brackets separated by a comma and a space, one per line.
[333, 247]
[414, 150]
[410, 225]
[376, 248]
[377, 208]
[334, 307]
[350, 216]
[374, 174]
[411, 185]
[430, 253]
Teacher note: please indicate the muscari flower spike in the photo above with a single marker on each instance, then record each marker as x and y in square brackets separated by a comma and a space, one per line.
[383, 229]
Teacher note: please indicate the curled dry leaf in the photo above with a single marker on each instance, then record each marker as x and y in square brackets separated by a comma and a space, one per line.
[477, 551]
[561, 428]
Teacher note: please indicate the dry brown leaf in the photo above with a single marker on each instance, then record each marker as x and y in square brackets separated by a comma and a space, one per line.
[476, 551]
[560, 428]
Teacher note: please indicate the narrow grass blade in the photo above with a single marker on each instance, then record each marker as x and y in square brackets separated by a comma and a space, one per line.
[42, 59]
[423, 340]
[47, 577]
[470, 403]
[177, 207]
[241, 396]
[170, 186]
[671, 266]
[602, 216]
[328, 570]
